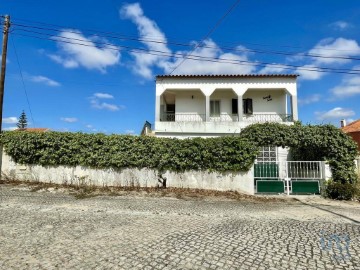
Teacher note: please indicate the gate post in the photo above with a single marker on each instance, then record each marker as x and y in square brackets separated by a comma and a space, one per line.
[287, 179]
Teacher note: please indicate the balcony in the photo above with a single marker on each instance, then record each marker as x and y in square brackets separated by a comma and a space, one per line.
[224, 117]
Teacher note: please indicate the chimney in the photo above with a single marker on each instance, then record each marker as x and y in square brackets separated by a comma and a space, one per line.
[342, 123]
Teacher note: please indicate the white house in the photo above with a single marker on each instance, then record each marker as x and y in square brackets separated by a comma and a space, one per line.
[222, 105]
[218, 105]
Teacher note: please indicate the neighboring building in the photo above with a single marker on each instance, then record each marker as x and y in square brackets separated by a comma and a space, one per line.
[146, 130]
[218, 105]
[33, 129]
[352, 129]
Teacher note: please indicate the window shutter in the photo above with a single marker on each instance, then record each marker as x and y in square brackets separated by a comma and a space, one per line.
[249, 106]
[234, 106]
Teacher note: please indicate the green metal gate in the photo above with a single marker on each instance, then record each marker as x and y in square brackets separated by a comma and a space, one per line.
[297, 177]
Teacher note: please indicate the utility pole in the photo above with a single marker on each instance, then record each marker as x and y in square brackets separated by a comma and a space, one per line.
[3, 65]
[2, 78]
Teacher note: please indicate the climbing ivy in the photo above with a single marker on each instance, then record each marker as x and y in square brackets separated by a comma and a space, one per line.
[310, 142]
[123, 151]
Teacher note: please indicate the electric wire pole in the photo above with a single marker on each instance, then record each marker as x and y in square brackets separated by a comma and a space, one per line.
[2, 77]
[3, 64]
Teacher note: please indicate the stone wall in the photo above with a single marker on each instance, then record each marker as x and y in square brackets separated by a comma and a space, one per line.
[240, 181]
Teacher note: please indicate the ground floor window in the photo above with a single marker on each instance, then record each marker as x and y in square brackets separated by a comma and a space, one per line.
[267, 153]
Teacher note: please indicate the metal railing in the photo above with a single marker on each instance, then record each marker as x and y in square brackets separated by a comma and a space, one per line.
[304, 170]
[295, 170]
[267, 169]
[224, 117]
[182, 117]
[262, 118]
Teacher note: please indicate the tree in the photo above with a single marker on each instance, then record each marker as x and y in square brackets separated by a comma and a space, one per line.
[22, 123]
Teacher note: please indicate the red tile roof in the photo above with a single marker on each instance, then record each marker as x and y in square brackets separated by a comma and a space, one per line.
[231, 76]
[352, 127]
[33, 129]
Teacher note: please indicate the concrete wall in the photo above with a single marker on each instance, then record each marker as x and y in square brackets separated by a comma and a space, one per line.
[241, 181]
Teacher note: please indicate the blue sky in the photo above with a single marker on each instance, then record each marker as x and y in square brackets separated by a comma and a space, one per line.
[108, 85]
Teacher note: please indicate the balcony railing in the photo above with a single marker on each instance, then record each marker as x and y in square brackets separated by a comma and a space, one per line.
[182, 117]
[225, 117]
[262, 118]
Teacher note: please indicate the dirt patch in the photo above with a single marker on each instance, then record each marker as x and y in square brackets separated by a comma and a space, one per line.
[86, 191]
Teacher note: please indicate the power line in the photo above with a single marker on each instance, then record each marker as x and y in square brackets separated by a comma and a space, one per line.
[198, 57]
[22, 79]
[199, 45]
[62, 27]
[208, 34]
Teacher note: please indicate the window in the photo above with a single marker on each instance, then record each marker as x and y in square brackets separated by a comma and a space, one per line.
[214, 108]
[247, 106]
[267, 153]
[170, 108]
[234, 106]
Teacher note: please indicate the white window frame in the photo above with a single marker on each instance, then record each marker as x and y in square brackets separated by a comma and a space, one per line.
[268, 154]
[212, 108]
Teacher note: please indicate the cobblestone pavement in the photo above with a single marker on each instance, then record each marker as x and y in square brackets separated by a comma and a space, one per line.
[56, 231]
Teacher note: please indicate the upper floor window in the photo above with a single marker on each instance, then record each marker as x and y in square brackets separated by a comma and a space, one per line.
[214, 108]
[247, 106]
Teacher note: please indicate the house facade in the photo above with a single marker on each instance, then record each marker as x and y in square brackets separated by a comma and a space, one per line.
[223, 105]
[219, 105]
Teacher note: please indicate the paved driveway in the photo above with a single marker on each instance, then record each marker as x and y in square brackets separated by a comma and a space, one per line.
[56, 231]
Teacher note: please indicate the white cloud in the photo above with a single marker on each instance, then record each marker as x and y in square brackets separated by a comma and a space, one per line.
[10, 120]
[272, 69]
[10, 128]
[144, 62]
[339, 47]
[340, 25]
[69, 119]
[90, 56]
[308, 72]
[350, 86]
[130, 131]
[103, 96]
[210, 50]
[309, 99]
[97, 104]
[148, 29]
[44, 80]
[89, 126]
[336, 113]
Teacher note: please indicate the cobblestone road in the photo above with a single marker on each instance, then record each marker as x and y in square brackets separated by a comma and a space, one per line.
[56, 231]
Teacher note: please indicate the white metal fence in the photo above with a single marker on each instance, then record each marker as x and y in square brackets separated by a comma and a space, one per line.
[289, 169]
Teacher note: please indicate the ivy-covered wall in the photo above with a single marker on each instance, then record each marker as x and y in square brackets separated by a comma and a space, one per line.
[120, 151]
[319, 142]
[310, 142]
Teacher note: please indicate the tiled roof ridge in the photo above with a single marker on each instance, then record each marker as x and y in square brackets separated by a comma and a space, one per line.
[352, 127]
[227, 75]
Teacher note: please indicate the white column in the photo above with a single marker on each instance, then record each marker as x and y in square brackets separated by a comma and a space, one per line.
[157, 109]
[240, 108]
[207, 108]
[294, 108]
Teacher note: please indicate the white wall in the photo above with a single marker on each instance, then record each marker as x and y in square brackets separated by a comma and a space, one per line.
[192, 102]
[240, 181]
[261, 105]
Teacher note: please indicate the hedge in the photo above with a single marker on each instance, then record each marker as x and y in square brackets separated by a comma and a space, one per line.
[123, 151]
[310, 142]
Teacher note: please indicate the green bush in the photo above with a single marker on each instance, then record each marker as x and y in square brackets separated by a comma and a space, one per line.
[121, 151]
[311, 143]
[340, 191]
